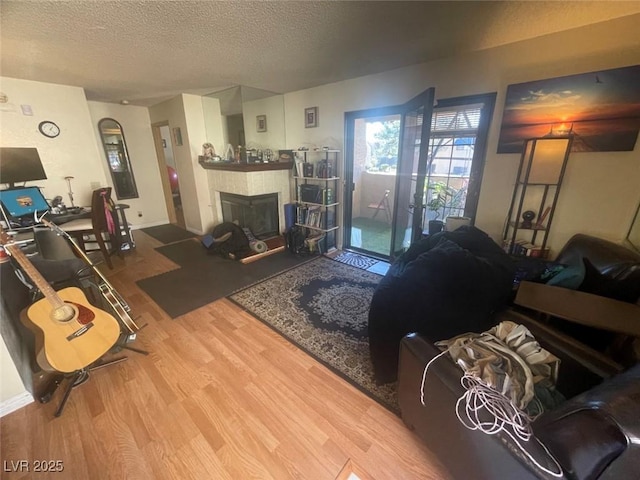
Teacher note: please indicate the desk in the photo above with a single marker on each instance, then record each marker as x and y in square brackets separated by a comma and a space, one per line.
[24, 235]
[62, 218]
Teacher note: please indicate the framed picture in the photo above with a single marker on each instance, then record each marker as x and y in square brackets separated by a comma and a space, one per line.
[311, 117]
[177, 136]
[261, 123]
[601, 108]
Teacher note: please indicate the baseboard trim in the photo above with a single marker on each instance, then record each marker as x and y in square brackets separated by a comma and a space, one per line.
[140, 226]
[14, 403]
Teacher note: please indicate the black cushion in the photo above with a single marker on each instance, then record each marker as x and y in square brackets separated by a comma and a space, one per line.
[626, 289]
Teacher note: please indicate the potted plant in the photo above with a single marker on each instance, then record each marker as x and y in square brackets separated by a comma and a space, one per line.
[442, 195]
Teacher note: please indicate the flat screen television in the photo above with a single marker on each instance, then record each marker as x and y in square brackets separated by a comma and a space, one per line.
[23, 202]
[19, 165]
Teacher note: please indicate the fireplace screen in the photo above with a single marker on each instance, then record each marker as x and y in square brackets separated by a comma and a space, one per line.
[258, 213]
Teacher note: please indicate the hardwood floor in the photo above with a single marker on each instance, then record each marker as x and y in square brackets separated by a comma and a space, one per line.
[220, 396]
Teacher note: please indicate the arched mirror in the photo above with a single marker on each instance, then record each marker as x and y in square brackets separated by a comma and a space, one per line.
[115, 149]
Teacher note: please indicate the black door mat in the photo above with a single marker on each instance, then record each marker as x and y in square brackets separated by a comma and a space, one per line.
[204, 278]
[168, 233]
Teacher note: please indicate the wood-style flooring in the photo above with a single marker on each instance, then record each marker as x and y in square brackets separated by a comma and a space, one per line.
[221, 396]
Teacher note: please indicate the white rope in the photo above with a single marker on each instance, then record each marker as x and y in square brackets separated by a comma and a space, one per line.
[481, 397]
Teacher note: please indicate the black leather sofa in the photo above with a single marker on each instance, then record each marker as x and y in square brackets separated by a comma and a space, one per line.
[594, 433]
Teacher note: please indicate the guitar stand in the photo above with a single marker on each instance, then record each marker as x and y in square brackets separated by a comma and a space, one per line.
[122, 342]
[79, 377]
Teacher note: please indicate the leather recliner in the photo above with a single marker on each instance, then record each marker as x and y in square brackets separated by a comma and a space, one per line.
[593, 435]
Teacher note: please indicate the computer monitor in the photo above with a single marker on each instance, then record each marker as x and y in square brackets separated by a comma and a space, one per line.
[23, 202]
[20, 164]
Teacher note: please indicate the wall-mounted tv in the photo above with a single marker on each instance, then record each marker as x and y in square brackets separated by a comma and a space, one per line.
[19, 165]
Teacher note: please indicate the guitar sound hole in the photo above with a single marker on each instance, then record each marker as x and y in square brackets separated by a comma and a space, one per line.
[64, 313]
[85, 315]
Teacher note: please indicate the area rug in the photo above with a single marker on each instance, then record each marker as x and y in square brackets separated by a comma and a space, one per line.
[168, 233]
[322, 307]
[356, 260]
[203, 278]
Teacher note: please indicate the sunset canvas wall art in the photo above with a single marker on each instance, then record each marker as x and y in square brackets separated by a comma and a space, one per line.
[602, 110]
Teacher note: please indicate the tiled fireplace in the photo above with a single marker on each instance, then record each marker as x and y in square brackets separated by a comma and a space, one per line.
[259, 213]
[253, 186]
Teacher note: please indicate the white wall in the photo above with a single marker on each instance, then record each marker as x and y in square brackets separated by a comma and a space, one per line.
[75, 152]
[186, 112]
[13, 394]
[274, 137]
[142, 154]
[215, 131]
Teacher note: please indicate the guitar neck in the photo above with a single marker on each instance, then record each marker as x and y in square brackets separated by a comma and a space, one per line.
[110, 294]
[47, 290]
[78, 250]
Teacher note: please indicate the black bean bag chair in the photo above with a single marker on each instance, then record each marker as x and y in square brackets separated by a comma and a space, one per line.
[444, 285]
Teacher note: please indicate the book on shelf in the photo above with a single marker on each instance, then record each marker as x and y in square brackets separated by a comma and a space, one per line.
[329, 220]
[307, 169]
[537, 252]
[524, 248]
[325, 169]
[299, 168]
[311, 216]
[327, 196]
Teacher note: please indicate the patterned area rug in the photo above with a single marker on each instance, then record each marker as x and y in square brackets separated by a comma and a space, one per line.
[356, 260]
[322, 306]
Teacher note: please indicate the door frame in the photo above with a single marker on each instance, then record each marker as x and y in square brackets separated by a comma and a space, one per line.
[162, 168]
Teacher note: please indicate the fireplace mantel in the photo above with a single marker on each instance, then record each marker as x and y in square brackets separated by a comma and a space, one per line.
[246, 167]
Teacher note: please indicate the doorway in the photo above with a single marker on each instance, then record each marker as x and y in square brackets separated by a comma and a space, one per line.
[373, 167]
[404, 172]
[385, 167]
[168, 173]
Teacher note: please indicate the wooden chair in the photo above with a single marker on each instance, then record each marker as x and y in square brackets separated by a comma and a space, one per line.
[383, 204]
[102, 228]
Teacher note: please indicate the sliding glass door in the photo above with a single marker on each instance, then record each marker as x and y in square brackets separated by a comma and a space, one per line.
[371, 166]
[383, 151]
[402, 171]
[412, 168]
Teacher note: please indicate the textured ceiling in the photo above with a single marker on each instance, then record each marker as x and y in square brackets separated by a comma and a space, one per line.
[148, 51]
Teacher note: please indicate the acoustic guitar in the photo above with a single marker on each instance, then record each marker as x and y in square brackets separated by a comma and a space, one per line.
[115, 300]
[70, 332]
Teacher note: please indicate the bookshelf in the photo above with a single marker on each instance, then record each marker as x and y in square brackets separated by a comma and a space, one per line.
[316, 189]
[540, 174]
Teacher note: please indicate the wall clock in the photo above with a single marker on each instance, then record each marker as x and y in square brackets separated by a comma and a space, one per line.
[49, 129]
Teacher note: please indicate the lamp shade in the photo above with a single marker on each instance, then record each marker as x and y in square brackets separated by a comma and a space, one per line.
[544, 159]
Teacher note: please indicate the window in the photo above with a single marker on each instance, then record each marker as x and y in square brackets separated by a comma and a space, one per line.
[457, 142]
